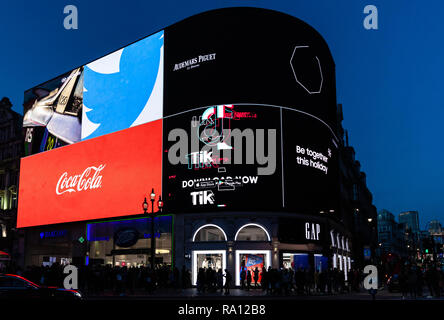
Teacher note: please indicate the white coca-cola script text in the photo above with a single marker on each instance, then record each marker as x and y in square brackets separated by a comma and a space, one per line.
[89, 179]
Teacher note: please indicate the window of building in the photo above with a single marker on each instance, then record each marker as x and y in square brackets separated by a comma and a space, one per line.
[209, 232]
[252, 232]
[355, 192]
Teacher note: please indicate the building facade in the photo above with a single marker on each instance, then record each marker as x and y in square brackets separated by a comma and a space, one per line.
[11, 143]
[239, 140]
[410, 220]
[391, 235]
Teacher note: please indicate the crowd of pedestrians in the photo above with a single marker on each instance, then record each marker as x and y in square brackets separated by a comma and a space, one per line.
[210, 280]
[281, 281]
[301, 281]
[414, 281]
[98, 279]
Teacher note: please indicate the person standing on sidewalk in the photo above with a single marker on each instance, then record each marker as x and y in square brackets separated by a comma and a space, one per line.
[403, 283]
[227, 276]
[220, 280]
[248, 279]
[412, 282]
[242, 278]
[256, 276]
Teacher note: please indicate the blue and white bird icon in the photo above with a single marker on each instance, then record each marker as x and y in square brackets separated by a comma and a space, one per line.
[124, 88]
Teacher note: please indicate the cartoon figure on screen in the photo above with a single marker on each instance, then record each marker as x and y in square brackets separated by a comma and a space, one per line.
[214, 126]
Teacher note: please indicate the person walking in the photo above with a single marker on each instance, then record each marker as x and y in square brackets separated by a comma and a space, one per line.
[419, 282]
[316, 281]
[200, 280]
[227, 281]
[403, 283]
[264, 280]
[256, 276]
[220, 280]
[242, 278]
[412, 282]
[248, 279]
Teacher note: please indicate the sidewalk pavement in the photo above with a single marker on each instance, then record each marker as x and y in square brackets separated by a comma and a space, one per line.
[192, 293]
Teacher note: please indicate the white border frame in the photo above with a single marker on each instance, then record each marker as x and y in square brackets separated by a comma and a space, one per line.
[252, 224]
[194, 261]
[239, 252]
[209, 225]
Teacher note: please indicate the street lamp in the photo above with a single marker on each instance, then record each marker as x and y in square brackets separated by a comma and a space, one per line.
[160, 203]
[153, 240]
[145, 209]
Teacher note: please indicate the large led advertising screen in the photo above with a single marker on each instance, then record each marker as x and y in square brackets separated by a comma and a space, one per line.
[248, 55]
[249, 157]
[99, 178]
[121, 90]
[270, 79]
[207, 169]
[224, 114]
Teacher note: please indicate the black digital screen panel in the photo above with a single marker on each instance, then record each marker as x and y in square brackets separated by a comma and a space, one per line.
[269, 158]
[277, 73]
[248, 55]
[204, 170]
[310, 164]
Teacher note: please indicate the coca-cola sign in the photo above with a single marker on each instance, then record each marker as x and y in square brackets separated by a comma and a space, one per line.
[104, 177]
[89, 179]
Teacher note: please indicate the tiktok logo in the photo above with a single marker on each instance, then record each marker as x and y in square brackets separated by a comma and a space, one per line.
[204, 197]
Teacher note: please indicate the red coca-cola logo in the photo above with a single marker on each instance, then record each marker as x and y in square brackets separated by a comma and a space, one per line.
[89, 179]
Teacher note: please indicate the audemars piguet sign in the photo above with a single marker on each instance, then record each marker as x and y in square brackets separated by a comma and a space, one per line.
[194, 62]
[93, 179]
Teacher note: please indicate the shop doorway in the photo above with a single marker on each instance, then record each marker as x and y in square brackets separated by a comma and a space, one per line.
[214, 259]
[296, 261]
[320, 262]
[249, 260]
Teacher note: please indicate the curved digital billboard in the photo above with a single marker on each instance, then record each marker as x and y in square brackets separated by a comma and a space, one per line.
[232, 109]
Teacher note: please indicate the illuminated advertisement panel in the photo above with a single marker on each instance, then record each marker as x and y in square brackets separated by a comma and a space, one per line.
[98, 178]
[249, 264]
[207, 169]
[310, 164]
[269, 158]
[276, 89]
[121, 90]
[248, 55]
[124, 88]
[248, 123]
[52, 113]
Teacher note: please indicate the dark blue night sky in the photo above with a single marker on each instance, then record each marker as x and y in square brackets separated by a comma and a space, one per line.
[390, 80]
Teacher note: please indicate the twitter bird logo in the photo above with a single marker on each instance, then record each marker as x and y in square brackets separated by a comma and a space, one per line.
[124, 88]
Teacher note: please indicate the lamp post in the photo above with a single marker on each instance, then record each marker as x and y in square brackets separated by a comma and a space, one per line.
[145, 209]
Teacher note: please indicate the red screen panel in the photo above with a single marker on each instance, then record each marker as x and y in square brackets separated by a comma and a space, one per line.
[105, 177]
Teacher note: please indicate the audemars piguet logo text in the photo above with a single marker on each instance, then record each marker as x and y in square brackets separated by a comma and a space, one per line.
[89, 179]
[194, 62]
